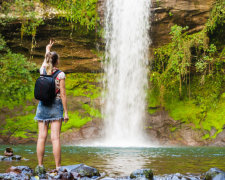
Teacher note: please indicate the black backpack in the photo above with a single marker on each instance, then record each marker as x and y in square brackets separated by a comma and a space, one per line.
[45, 88]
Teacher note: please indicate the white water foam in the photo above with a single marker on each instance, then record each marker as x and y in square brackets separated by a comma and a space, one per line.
[125, 80]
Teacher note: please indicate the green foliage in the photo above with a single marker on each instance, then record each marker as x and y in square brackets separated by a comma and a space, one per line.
[215, 27]
[83, 84]
[187, 77]
[25, 12]
[217, 16]
[170, 14]
[83, 12]
[91, 111]
[76, 121]
[15, 78]
[20, 126]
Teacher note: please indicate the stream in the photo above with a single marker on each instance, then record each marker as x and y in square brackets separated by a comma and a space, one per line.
[122, 161]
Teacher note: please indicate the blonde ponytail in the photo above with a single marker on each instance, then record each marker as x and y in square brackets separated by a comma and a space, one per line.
[48, 61]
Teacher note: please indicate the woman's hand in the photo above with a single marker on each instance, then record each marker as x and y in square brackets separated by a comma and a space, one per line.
[49, 46]
[66, 118]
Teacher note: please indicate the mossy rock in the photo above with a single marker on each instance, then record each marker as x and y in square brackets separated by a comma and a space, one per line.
[142, 173]
[214, 174]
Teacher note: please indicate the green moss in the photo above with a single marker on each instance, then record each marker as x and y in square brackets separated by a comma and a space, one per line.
[92, 111]
[20, 126]
[187, 77]
[215, 117]
[83, 84]
[153, 100]
[76, 121]
[185, 111]
[172, 129]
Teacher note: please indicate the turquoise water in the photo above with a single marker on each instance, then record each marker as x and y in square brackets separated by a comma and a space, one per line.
[122, 161]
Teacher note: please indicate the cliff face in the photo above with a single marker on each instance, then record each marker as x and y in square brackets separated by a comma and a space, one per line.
[76, 50]
[166, 13]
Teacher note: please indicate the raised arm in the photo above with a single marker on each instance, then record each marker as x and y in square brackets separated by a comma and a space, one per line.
[49, 46]
[64, 100]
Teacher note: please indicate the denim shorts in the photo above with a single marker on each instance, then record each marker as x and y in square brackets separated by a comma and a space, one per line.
[49, 112]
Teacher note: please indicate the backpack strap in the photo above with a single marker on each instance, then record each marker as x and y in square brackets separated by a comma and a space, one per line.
[55, 74]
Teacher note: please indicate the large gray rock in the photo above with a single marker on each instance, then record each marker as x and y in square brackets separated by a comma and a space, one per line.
[10, 158]
[23, 170]
[214, 174]
[142, 173]
[80, 171]
[16, 157]
[177, 176]
[17, 173]
[10, 176]
[2, 158]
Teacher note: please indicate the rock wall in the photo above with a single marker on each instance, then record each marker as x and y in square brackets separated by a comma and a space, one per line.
[166, 13]
[77, 49]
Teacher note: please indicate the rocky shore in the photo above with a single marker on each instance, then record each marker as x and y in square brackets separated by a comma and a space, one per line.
[82, 171]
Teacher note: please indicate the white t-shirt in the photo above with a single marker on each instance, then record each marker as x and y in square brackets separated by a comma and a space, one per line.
[60, 76]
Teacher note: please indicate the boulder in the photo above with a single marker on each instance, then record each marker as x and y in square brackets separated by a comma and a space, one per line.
[214, 174]
[59, 175]
[142, 174]
[23, 170]
[177, 176]
[8, 151]
[10, 175]
[10, 158]
[16, 157]
[80, 170]
[17, 172]
[2, 158]
[7, 158]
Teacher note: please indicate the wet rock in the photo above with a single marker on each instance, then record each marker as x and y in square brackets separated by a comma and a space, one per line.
[16, 157]
[10, 176]
[17, 172]
[142, 173]
[8, 151]
[158, 126]
[177, 176]
[87, 171]
[2, 158]
[7, 158]
[70, 167]
[23, 170]
[59, 175]
[80, 170]
[214, 174]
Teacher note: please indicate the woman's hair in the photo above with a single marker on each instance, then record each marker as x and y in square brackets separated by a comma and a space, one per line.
[51, 58]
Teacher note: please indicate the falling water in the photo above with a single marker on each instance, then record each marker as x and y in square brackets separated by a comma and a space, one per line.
[125, 80]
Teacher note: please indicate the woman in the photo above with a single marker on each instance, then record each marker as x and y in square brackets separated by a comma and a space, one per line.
[51, 114]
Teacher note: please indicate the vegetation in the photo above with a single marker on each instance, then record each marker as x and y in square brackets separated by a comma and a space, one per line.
[18, 75]
[188, 75]
[15, 78]
[79, 12]
[83, 84]
[77, 84]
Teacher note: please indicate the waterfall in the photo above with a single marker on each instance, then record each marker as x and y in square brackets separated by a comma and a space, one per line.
[125, 79]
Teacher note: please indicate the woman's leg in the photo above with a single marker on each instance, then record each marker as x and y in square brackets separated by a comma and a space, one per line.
[55, 137]
[42, 135]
